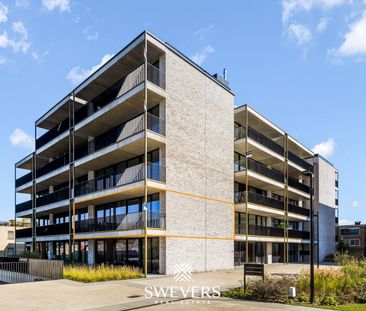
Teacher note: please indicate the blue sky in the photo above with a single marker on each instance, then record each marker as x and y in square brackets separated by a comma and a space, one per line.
[301, 63]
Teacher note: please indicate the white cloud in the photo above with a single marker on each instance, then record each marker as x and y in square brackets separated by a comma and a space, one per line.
[203, 32]
[21, 139]
[90, 35]
[3, 13]
[291, 7]
[77, 74]
[22, 3]
[4, 40]
[322, 25]
[39, 57]
[200, 56]
[354, 40]
[299, 33]
[343, 222]
[355, 204]
[325, 148]
[61, 5]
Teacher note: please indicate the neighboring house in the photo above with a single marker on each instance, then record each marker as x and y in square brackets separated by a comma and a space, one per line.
[220, 185]
[353, 237]
[7, 240]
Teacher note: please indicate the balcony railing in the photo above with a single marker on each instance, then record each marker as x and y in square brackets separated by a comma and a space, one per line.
[53, 165]
[123, 222]
[53, 197]
[258, 199]
[297, 234]
[298, 185]
[121, 132]
[297, 160]
[23, 180]
[21, 207]
[298, 210]
[53, 229]
[23, 233]
[271, 231]
[126, 84]
[239, 165]
[239, 132]
[130, 175]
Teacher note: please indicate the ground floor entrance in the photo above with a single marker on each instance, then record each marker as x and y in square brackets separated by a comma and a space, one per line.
[269, 252]
[128, 252]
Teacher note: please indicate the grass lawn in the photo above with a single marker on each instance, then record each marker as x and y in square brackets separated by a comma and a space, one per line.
[355, 307]
[100, 273]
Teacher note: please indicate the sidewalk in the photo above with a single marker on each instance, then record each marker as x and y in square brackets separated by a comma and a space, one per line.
[114, 295]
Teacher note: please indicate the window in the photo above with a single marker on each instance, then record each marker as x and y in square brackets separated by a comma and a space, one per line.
[336, 179]
[354, 242]
[350, 231]
[336, 197]
[10, 235]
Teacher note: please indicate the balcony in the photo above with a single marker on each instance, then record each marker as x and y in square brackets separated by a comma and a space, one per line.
[239, 133]
[126, 84]
[53, 229]
[123, 222]
[53, 197]
[269, 202]
[258, 199]
[23, 233]
[53, 165]
[23, 180]
[271, 232]
[21, 207]
[121, 132]
[239, 165]
[130, 175]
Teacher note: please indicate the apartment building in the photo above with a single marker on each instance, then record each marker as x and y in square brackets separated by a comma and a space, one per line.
[7, 240]
[353, 237]
[149, 153]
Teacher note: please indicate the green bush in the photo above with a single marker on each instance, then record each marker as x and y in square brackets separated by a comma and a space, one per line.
[238, 293]
[329, 300]
[303, 298]
[330, 258]
[32, 255]
[272, 290]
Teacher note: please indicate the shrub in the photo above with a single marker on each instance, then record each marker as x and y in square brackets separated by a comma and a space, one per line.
[272, 290]
[302, 297]
[330, 258]
[100, 273]
[329, 300]
[238, 293]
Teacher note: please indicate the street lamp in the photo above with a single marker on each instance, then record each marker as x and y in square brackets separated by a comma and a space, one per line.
[310, 174]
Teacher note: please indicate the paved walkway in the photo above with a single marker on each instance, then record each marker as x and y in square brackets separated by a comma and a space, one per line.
[119, 295]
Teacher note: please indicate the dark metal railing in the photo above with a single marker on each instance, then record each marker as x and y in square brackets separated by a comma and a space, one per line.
[239, 132]
[53, 165]
[120, 133]
[271, 231]
[297, 234]
[298, 210]
[21, 207]
[126, 84]
[131, 174]
[54, 229]
[298, 185]
[23, 233]
[132, 221]
[258, 199]
[297, 160]
[53, 197]
[23, 180]
[239, 165]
